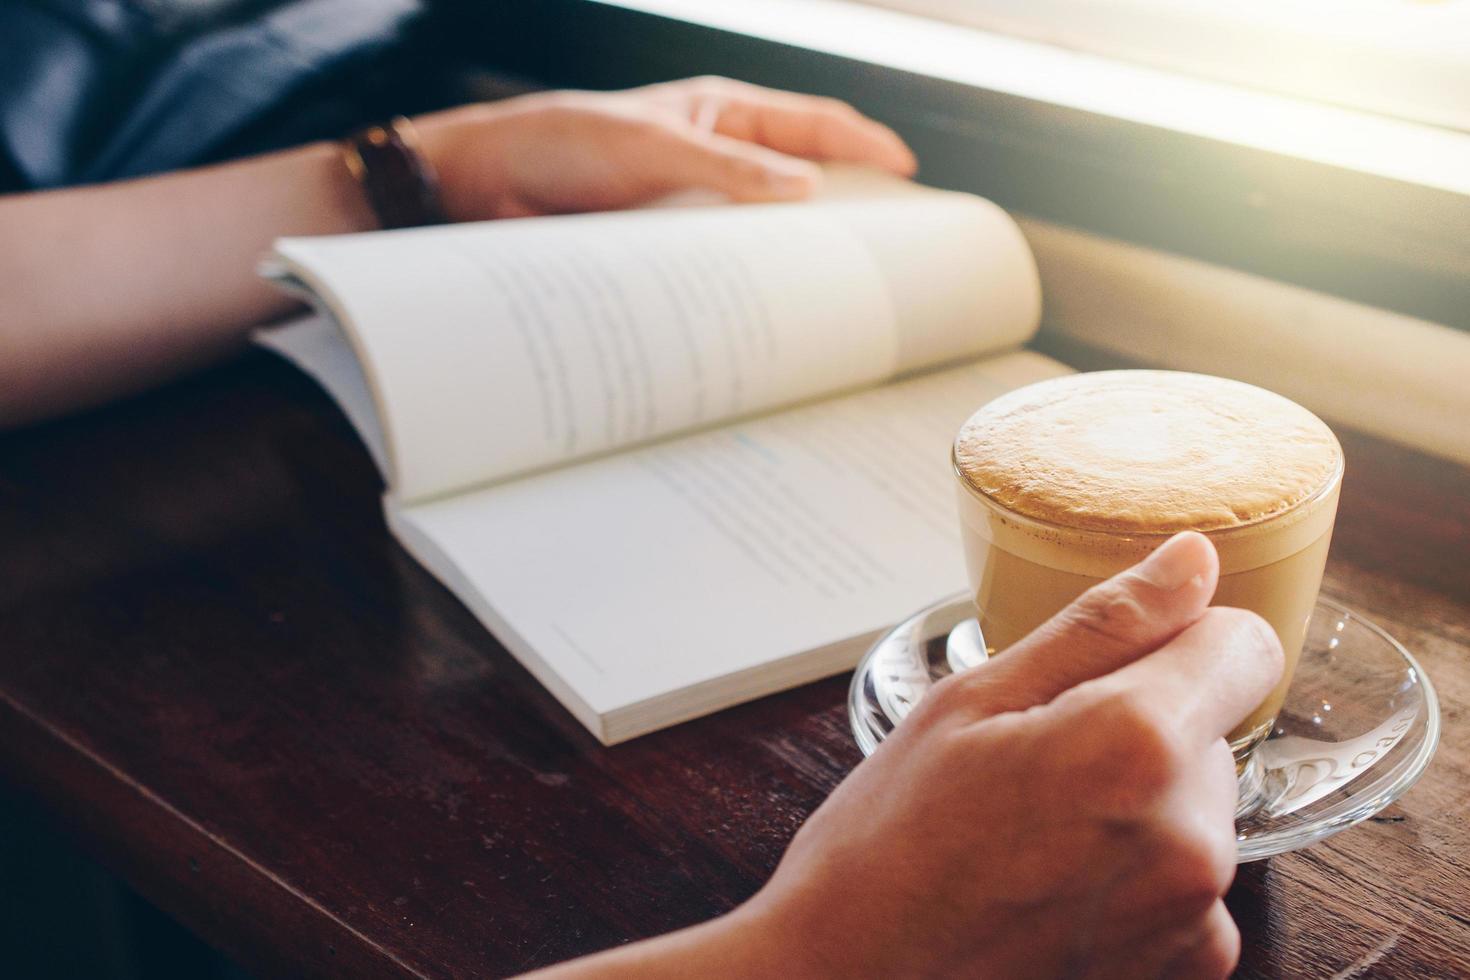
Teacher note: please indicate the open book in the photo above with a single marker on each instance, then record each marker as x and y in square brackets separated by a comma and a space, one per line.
[675, 459]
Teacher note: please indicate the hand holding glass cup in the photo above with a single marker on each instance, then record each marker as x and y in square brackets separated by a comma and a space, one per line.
[1064, 483]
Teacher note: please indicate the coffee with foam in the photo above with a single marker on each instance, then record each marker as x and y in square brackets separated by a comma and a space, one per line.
[1068, 481]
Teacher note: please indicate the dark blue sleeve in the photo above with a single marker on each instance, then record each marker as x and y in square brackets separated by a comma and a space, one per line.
[94, 90]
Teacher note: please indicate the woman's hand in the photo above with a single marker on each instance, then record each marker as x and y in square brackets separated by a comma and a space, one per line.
[557, 152]
[1063, 810]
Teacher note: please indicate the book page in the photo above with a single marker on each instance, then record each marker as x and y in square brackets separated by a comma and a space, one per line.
[504, 347]
[314, 344]
[674, 579]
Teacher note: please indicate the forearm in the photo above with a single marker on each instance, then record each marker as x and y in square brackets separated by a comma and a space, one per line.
[104, 290]
[108, 289]
[748, 942]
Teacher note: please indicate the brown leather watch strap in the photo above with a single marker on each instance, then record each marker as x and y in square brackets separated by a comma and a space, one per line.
[400, 185]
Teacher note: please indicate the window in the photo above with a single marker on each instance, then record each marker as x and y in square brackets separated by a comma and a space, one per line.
[1403, 58]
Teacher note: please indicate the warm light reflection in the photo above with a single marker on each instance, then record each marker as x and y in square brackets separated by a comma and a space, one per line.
[1351, 139]
[1402, 58]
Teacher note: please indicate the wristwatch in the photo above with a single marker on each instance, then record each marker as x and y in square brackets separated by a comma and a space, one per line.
[398, 181]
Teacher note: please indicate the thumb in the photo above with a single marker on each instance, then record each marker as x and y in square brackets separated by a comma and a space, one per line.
[688, 157]
[1109, 626]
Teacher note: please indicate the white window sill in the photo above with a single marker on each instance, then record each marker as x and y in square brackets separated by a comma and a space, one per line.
[1379, 372]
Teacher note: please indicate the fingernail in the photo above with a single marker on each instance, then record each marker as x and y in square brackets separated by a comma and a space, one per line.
[790, 186]
[1173, 564]
[908, 163]
[789, 183]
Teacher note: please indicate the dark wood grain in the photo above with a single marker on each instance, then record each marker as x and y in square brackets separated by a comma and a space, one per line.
[223, 678]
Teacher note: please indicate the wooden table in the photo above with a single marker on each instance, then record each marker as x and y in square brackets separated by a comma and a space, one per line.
[224, 679]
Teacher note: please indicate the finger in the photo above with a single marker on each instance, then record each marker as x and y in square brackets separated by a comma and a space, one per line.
[812, 127]
[1109, 626]
[1205, 944]
[1218, 791]
[1213, 951]
[1208, 678]
[809, 126]
[683, 157]
[1187, 838]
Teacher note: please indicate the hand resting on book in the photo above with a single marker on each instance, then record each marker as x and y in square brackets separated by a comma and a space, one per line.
[620, 149]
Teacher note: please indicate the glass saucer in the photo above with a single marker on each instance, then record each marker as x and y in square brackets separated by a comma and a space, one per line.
[1358, 728]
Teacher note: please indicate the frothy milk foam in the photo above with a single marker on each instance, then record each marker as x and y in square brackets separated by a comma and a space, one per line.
[1069, 481]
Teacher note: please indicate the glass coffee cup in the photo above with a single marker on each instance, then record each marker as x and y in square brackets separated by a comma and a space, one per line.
[1066, 482]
